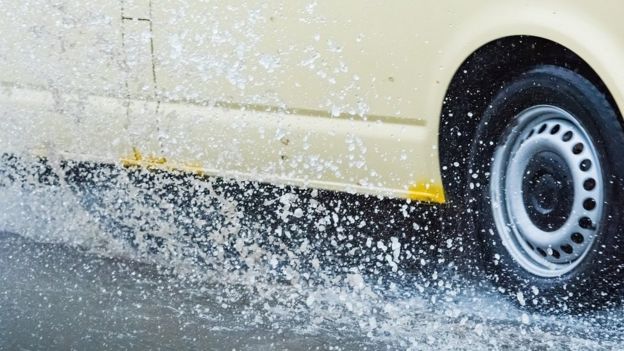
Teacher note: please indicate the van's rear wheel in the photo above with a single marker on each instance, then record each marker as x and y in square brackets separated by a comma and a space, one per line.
[546, 170]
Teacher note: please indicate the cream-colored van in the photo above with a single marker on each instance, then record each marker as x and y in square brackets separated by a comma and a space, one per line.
[505, 111]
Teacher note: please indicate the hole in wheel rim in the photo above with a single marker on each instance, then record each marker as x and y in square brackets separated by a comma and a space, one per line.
[577, 238]
[578, 148]
[567, 249]
[586, 223]
[585, 165]
[589, 184]
[589, 204]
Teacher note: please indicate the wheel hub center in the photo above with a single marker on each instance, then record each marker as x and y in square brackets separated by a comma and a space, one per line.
[545, 191]
[548, 190]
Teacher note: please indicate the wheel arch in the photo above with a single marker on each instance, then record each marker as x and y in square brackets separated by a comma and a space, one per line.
[477, 79]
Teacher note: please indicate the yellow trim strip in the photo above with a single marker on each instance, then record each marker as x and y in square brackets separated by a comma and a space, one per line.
[136, 159]
[422, 192]
[427, 192]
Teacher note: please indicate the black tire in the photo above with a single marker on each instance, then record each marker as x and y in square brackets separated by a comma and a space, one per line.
[596, 279]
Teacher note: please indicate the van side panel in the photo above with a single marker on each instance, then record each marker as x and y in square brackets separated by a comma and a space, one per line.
[342, 95]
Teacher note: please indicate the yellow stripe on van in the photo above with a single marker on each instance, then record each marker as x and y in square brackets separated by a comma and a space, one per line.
[422, 192]
[137, 159]
[427, 192]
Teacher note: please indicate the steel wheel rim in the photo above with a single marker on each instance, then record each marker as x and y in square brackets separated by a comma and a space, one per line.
[550, 135]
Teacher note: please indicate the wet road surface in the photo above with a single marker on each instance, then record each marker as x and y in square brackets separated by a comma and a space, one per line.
[56, 297]
[307, 280]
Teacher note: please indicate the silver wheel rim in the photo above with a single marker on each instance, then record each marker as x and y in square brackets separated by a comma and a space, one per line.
[547, 156]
